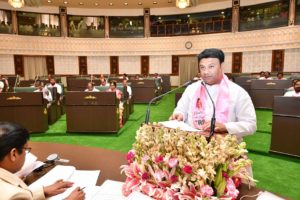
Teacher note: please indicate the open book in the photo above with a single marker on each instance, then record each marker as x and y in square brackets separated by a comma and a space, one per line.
[80, 178]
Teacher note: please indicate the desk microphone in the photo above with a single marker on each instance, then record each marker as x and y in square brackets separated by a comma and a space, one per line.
[16, 82]
[213, 118]
[155, 98]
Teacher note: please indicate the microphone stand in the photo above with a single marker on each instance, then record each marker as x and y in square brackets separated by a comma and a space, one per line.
[213, 118]
[158, 97]
[16, 81]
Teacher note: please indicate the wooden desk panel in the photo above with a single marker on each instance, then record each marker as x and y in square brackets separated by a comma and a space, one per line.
[143, 90]
[263, 91]
[92, 112]
[27, 109]
[244, 82]
[76, 84]
[285, 132]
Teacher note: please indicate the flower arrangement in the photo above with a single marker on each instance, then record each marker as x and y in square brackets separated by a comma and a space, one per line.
[173, 164]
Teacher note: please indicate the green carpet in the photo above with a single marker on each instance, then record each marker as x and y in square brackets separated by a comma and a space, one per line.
[276, 173]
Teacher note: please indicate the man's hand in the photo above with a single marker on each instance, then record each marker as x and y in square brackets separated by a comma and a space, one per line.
[57, 188]
[219, 127]
[76, 194]
[176, 116]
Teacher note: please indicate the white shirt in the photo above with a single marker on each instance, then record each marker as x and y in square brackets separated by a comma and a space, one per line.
[46, 94]
[1, 85]
[241, 116]
[94, 90]
[129, 90]
[58, 87]
[292, 94]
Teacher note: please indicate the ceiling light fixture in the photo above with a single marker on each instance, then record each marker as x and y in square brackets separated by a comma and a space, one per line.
[16, 3]
[140, 3]
[96, 4]
[154, 2]
[111, 4]
[49, 1]
[81, 3]
[65, 2]
[182, 3]
[125, 4]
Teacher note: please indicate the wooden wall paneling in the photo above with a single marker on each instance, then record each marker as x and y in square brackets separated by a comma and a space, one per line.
[144, 64]
[175, 65]
[237, 62]
[114, 65]
[82, 65]
[19, 65]
[277, 60]
[50, 65]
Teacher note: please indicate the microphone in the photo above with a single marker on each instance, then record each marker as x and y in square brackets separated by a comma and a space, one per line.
[213, 118]
[158, 97]
[16, 82]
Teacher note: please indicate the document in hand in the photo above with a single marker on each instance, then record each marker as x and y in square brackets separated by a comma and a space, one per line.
[80, 178]
[179, 124]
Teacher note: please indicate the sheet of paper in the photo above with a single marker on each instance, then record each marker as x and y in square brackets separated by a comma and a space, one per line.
[138, 196]
[109, 190]
[179, 124]
[268, 196]
[30, 164]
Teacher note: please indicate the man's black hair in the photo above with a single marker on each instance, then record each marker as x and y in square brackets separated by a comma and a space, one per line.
[12, 136]
[212, 53]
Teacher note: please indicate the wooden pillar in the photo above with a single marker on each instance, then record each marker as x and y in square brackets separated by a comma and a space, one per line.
[235, 15]
[147, 22]
[292, 13]
[14, 22]
[106, 25]
[63, 21]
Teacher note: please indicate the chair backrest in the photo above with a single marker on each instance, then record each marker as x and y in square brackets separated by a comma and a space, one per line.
[24, 89]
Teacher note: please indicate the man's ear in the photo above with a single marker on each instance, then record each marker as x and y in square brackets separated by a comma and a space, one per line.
[13, 154]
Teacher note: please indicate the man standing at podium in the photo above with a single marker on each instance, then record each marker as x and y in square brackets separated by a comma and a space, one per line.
[234, 110]
[13, 149]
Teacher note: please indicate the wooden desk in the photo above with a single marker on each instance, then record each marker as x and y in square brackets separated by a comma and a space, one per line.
[77, 84]
[92, 158]
[27, 109]
[143, 90]
[285, 130]
[244, 82]
[263, 91]
[92, 112]
[85, 158]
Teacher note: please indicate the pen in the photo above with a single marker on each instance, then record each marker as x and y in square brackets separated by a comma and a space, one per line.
[82, 188]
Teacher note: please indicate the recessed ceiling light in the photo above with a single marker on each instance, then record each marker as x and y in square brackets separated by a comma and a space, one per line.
[65, 2]
[96, 4]
[125, 4]
[81, 3]
[154, 2]
[111, 4]
[140, 3]
[169, 1]
[49, 1]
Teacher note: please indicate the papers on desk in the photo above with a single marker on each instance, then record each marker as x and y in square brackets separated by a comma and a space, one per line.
[268, 196]
[30, 164]
[112, 190]
[80, 178]
[179, 124]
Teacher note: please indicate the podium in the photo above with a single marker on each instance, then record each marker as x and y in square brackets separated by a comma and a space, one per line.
[92, 112]
[27, 109]
[143, 90]
[285, 131]
[263, 91]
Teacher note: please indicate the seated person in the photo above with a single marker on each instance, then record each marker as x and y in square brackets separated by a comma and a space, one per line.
[113, 88]
[280, 76]
[13, 149]
[104, 83]
[296, 91]
[198, 77]
[90, 88]
[261, 75]
[5, 83]
[267, 76]
[156, 76]
[1, 86]
[54, 84]
[46, 93]
[129, 90]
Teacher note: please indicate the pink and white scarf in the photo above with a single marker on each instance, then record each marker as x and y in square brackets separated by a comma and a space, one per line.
[222, 104]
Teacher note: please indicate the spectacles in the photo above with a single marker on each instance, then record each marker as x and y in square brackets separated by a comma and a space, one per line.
[27, 149]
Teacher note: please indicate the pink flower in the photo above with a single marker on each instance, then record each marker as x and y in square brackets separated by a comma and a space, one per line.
[159, 159]
[145, 176]
[231, 189]
[187, 169]
[159, 175]
[145, 158]
[207, 191]
[173, 162]
[174, 179]
[225, 175]
[130, 156]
